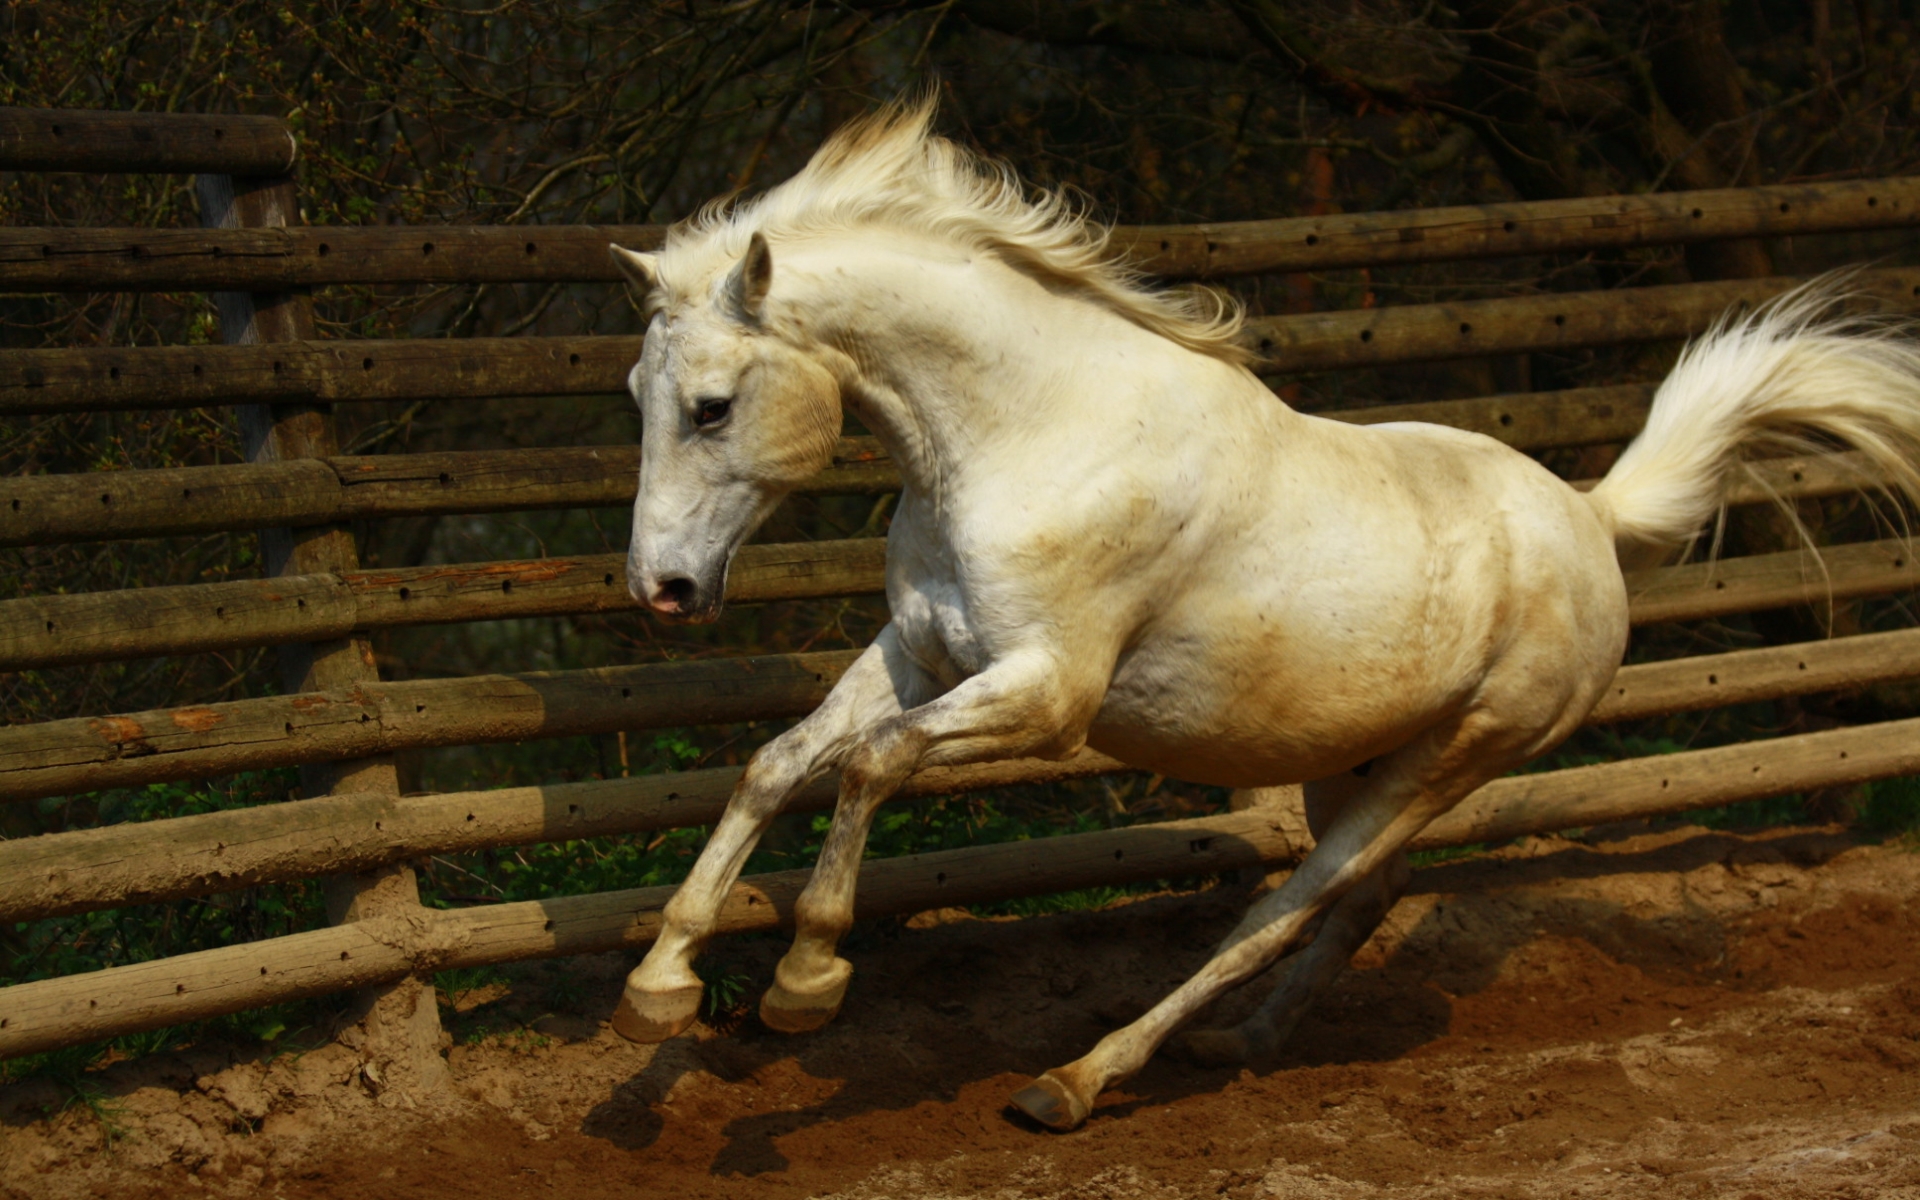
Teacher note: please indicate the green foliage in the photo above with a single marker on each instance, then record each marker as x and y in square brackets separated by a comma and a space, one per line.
[1891, 809]
[726, 991]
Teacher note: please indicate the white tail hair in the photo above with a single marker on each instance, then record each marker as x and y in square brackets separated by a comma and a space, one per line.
[1790, 377]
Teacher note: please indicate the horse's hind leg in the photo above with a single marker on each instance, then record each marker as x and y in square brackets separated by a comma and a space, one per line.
[1309, 972]
[1405, 791]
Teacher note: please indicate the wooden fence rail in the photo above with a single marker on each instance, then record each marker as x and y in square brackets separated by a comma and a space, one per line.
[59, 139]
[119, 1000]
[45, 631]
[44, 381]
[86, 627]
[101, 260]
[210, 740]
[115, 505]
[1409, 333]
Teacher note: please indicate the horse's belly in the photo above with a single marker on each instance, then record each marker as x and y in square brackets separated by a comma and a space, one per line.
[1249, 720]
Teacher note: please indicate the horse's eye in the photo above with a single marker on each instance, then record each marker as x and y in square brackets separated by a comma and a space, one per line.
[711, 412]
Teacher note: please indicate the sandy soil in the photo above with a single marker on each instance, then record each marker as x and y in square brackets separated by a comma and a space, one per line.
[1673, 1014]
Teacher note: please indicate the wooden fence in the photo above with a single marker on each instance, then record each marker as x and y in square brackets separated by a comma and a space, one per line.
[300, 492]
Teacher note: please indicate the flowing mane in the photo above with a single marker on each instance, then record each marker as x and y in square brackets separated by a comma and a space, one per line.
[888, 169]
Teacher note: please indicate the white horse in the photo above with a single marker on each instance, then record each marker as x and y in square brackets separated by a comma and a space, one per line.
[1112, 534]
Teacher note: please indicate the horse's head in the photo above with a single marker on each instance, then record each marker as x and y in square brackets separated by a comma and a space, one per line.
[735, 413]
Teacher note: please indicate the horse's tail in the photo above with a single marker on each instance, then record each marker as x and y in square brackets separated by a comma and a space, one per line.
[1789, 377]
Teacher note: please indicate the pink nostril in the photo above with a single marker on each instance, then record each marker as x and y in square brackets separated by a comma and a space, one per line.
[673, 595]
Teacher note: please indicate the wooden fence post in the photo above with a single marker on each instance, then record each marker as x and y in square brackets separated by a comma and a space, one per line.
[396, 1026]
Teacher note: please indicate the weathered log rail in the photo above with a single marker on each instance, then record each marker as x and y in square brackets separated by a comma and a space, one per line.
[59, 139]
[47, 381]
[97, 260]
[99, 506]
[358, 831]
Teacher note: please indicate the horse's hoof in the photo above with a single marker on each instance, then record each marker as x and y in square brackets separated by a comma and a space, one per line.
[656, 1016]
[1051, 1103]
[801, 1012]
[1214, 1047]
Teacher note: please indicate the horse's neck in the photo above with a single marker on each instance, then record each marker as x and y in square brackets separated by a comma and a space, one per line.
[952, 357]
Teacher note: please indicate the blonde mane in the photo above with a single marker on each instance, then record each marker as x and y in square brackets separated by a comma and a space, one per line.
[888, 169]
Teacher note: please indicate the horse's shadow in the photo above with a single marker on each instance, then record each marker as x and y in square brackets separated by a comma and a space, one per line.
[944, 1010]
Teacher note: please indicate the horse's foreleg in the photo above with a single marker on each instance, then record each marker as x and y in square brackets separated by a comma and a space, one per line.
[662, 995]
[1013, 708]
[1406, 790]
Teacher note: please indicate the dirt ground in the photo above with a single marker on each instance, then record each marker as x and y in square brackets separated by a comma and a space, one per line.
[1654, 1014]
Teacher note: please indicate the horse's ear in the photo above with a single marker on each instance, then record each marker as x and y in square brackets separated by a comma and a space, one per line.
[755, 277]
[641, 270]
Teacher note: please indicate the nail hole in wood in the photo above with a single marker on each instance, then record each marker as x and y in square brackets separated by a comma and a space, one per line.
[426, 248]
[1465, 328]
[406, 593]
[1313, 239]
[113, 372]
[1366, 335]
[323, 249]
